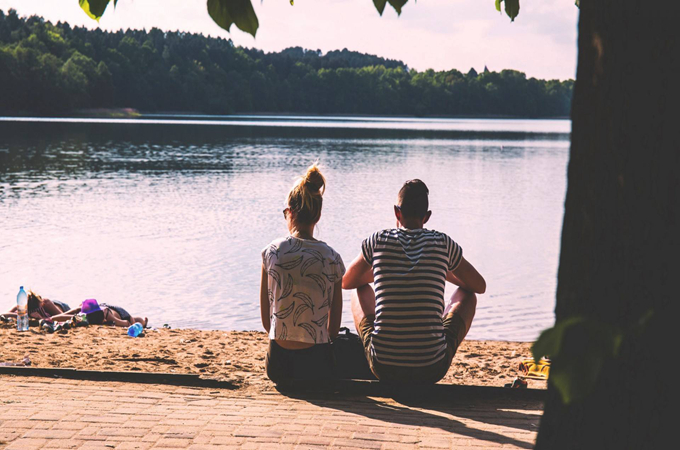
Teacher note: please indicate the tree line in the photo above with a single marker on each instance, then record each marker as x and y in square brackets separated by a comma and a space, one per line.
[56, 69]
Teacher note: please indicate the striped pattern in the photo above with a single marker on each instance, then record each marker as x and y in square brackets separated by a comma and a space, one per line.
[409, 269]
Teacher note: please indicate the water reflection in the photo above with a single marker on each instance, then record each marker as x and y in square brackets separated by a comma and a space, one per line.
[170, 218]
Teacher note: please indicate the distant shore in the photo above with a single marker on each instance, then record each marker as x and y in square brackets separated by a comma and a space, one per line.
[235, 356]
[131, 113]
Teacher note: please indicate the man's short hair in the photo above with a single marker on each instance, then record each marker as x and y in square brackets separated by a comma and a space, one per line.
[413, 199]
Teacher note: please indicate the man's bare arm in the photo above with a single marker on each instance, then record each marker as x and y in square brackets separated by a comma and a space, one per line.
[467, 277]
[359, 273]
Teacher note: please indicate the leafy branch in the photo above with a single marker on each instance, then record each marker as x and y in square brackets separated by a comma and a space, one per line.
[226, 13]
[511, 8]
[95, 8]
[579, 348]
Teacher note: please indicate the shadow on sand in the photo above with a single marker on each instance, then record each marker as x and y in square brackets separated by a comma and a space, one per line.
[468, 411]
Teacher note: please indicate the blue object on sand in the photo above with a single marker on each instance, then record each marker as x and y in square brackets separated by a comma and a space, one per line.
[135, 329]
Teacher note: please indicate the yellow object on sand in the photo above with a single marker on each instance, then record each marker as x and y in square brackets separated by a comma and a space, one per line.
[536, 370]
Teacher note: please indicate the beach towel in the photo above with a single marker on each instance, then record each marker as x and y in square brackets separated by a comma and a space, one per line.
[535, 370]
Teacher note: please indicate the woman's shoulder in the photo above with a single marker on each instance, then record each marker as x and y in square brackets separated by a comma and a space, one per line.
[274, 246]
[323, 247]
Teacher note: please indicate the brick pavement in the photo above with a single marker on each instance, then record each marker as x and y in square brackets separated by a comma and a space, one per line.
[40, 413]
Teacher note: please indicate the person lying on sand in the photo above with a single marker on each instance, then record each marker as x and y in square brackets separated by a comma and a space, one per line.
[301, 293]
[409, 335]
[101, 314]
[40, 308]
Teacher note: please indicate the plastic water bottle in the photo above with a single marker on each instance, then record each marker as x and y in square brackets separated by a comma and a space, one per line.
[135, 329]
[22, 310]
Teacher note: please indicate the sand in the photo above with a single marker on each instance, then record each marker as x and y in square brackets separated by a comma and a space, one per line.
[235, 356]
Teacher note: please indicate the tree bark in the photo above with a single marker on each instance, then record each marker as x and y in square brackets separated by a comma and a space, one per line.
[620, 247]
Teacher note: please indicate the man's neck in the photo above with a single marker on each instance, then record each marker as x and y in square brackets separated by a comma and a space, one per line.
[411, 225]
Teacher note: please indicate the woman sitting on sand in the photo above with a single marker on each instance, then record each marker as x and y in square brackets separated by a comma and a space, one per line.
[101, 314]
[301, 290]
[40, 308]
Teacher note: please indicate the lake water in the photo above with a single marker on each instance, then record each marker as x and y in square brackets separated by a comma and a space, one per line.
[167, 215]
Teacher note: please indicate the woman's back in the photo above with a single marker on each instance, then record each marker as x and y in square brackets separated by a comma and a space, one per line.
[302, 277]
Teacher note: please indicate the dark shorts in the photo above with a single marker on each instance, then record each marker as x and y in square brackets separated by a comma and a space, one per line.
[313, 363]
[454, 332]
[61, 305]
[124, 315]
[95, 318]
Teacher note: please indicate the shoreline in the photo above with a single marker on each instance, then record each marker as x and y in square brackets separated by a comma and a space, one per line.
[131, 113]
[233, 356]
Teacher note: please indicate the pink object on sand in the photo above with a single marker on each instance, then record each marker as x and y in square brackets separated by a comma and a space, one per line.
[89, 306]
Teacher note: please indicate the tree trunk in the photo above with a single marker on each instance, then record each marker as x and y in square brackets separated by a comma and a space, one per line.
[620, 245]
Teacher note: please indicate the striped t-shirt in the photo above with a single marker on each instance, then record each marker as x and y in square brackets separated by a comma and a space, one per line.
[409, 270]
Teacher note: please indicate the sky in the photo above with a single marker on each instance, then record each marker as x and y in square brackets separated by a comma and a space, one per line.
[436, 34]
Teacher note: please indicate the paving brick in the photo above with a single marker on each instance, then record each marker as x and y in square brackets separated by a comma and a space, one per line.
[315, 440]
[227, 440]
[112, 418]
[64, 443]
[356, 443]
[399, 446]
[435, 443]
[134, 446]
[409, 439]
[17, 424]
[50, 434]
[26, 444]
[172, 443]
[257, 432]
[250, 446]
[98, 445]
[213, 447]
[381, 437]
[151, 437]
[277, 446]
[69, 425]
[134, 432]
[7, 435]
[336, 434]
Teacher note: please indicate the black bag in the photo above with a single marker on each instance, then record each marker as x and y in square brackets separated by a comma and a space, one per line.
[349, 357]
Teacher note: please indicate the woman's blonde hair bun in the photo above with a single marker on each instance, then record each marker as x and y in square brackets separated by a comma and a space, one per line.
[314, 180]
[305, 198]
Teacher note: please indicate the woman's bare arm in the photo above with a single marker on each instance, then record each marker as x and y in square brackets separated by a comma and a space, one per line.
[335, 316]
[264, 300]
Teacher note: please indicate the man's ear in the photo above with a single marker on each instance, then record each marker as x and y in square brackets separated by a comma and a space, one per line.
[397, 213]
[427, 217]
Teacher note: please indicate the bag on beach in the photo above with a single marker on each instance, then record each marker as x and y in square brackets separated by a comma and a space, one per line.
[349, 357]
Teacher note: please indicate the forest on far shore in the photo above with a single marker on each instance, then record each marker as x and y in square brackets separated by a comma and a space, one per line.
[56, 69]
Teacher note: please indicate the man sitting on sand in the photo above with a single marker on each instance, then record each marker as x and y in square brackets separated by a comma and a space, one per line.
[409, 334]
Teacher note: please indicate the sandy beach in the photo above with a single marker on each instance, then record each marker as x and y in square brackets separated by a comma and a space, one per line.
[235, 356]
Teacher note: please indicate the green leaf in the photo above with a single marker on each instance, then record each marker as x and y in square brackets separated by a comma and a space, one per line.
[397, 5]
[550, 340]
[380, 5]
[95, 8]
[512, 8]
[578, 348]
[238, 12]
[498, 5]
